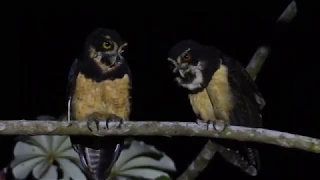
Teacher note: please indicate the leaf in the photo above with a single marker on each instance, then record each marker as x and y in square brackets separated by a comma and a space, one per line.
[37, 153]
[51, 174]
[22, 170]
[137, 161]
[24, 152]
[64, 145]
[57, 141]
[70, 170]
[165, 163]
[22, 148]
[43, 141]
[41, 168]
[163, 178]
[136, 148]
[144, 173]
[70, 154]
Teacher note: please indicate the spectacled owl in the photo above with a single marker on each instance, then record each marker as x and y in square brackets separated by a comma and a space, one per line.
[219, 88]
[99, 90]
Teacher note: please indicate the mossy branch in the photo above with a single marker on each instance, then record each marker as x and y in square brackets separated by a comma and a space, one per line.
[155, 128]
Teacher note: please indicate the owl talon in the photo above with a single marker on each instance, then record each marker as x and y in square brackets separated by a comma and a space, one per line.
[218, 125]
[114, 119]
[199, 121]
[93, 125]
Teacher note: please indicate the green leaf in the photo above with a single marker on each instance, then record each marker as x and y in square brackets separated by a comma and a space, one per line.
[43, 155]
[144, 173]
[142, 161]
[163, 178]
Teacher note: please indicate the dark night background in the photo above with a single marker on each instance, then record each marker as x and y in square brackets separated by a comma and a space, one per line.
[50, 38]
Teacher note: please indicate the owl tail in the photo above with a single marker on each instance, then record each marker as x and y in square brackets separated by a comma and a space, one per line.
[246, 158]
[98, 161]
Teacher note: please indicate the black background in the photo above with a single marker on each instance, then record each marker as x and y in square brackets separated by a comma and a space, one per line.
[50, 38]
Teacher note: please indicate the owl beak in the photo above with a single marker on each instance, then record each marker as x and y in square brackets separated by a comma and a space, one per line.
[182, 72]
[117, 57]
[114, 59]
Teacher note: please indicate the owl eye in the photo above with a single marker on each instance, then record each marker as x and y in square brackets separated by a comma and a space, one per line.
[186, 57]
[107, 44]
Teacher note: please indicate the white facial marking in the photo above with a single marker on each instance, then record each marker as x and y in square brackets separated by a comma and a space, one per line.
[197, 81]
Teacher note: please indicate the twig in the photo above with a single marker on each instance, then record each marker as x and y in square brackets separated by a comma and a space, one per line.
[253, 68]
[262, 52]
[257, 61]
[154, 128]
[201, 161]
[289, 13]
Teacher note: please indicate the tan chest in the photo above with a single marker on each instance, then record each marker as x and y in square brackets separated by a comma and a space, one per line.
[202, 105]
[215, 101]
[107, 97]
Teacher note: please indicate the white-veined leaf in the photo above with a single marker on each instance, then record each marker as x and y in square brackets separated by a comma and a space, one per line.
[43, 141]
[22, 148]
[57, 142]
[144, 173]
[33, 153]
[65, 145]
[136, 160]
[41, 168]
[22, 170]
[136, 148]
[165, 163]
[70, 169]
[51, 174]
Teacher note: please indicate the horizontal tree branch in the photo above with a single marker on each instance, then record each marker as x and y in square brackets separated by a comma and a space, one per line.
[150, 128]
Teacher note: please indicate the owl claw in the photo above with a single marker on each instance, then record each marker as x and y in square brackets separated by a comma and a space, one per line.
[199, 121]
[114, 119]
[218, 125]
[93, 125]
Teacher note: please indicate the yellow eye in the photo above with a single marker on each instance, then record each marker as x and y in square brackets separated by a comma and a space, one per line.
[121, 51]
[186, 57]
[107, 45]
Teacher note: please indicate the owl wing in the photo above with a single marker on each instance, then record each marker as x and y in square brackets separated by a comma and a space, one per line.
[246, 112]
[74, 70]
[246, 96]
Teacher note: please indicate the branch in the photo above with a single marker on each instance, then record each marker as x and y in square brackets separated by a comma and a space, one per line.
[154, 128]
[257, 61]
[262, 52]
[200, 162]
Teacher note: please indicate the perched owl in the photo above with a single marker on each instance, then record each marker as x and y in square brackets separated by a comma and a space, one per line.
[219, 88]
[99, 90]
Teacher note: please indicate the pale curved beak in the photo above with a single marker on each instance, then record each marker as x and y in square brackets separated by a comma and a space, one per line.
[117, 57]
[182, 72]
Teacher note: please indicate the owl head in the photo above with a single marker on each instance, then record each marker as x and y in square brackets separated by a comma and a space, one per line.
[193, 64]
[105, 48]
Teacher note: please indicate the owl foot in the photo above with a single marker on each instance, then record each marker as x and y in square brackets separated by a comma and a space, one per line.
[218, 125]
[113, 119]
[93, 125]
[199, 121]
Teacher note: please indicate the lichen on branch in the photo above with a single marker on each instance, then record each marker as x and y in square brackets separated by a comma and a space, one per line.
[156, 128]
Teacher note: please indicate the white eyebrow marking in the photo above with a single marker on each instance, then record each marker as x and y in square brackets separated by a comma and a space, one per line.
[174, 63]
